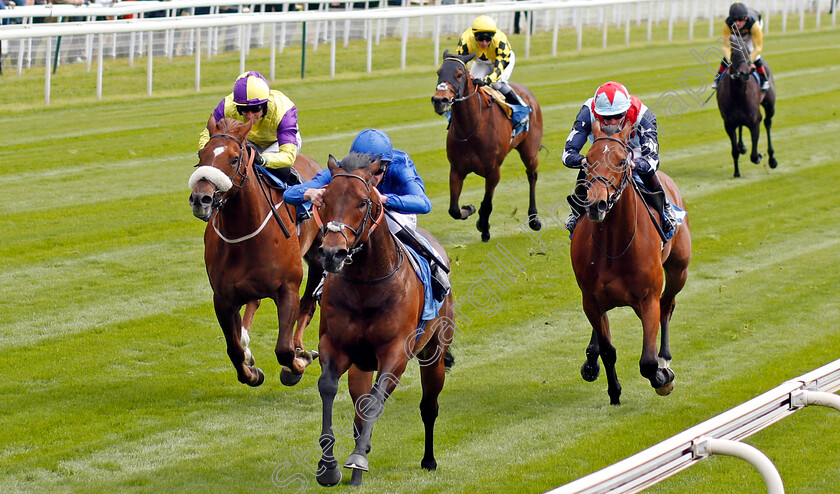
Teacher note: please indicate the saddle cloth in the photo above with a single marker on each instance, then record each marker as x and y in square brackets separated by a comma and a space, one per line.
[431, 307]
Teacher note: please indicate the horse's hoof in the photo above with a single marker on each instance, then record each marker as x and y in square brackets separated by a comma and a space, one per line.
[742, 149]
[534, 223]
[736, 175]
[260, 377]
[330, 477]
[773, 163]
[356, 478]
[289, 378]
[756, 159]
[590, 373]
[665, 390]
[357, 462]
[485, 237]
[307, 356]
[430, 465]
[467, 211]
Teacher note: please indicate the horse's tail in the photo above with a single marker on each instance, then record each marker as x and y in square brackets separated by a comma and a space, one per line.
[547, 152]
[448, 359]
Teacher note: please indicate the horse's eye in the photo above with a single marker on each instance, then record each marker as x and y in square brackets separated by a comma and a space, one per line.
[235, 160]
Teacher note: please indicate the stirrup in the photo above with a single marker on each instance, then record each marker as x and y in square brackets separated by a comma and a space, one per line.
[571, 222]
[765, 86]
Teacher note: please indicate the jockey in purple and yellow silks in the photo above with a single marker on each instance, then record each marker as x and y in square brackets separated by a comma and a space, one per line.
[401, 188]
[494, 58]
[747, 23]
[274, 132]
[614, 106]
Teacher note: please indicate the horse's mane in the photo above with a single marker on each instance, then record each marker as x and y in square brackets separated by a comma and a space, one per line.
[229, 125]
[356, 161]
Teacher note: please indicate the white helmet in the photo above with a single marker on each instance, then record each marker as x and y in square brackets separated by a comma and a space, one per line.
[611, 98]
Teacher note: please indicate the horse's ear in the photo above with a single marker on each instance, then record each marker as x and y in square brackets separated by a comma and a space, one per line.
[211, 124]
[374, 167]
[445, 54]
[596, 129]
[625, 130]
[246, 127]
[332, 164]
[467, 58]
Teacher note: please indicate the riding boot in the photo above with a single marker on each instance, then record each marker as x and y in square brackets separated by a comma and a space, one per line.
[288, 174]
[765, 83]
[511, 96]
[319, 289]
[576, 201]
[440, 279]
[669, 219]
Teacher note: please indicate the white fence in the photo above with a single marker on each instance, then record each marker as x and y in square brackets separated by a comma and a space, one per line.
[182, 35]
[718, 435]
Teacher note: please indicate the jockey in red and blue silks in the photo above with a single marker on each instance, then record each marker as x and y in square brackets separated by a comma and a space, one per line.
[613, 105]
[274, 132]
[401, 188]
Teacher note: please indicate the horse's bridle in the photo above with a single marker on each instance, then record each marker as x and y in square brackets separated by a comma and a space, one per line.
[459, 95]
[218, 200]
[613, 198]
[339, 227]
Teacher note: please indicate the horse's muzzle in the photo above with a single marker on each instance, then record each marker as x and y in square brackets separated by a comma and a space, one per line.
[597, 211]
[441, 104]
[334, 258]
[202, 205]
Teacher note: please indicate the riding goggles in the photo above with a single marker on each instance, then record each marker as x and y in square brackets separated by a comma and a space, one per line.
[248, 109]
[484, 36]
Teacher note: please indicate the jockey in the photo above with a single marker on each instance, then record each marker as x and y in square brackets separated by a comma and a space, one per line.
[612, 105]
[401, 189]
[274, 134]
[747, 23]
[494, 59]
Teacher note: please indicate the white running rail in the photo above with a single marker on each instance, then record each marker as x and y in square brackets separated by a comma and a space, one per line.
[718, 435]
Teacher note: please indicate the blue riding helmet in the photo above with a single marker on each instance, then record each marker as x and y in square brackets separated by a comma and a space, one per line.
[373, 142]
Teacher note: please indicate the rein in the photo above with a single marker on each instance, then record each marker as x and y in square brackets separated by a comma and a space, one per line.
[339, 227]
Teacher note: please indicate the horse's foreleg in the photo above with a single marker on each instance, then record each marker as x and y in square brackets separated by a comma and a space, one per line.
[247, 321]
[731, 131]
[601, 330]
[591, 369]
[483, 223]
[328, 473]
[307, 305]
[432, 377]
[291, 357]
[231, 324]
[456, 183]
[755, 132]
[371, 406]
[661, 379]
[741, 148]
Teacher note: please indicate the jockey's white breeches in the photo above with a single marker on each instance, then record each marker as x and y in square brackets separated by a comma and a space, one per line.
[480, 69]
[401, 220]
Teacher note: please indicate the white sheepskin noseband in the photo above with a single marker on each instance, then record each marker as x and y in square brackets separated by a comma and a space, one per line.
[212, 175]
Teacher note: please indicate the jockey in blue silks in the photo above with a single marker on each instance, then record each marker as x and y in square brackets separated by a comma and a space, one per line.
[613, 106]
[401, 188]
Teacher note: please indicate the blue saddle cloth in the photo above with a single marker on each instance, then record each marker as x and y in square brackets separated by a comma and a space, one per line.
[752, 71]
[519, 112]
[431, 307]
[302, 209]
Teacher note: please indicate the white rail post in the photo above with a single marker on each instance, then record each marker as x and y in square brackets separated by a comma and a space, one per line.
[369, 24]
[649, 20]
[555, 32]
[149, 64]
[705, 446]
[403, 42]
[197, 53]
[605, 27]
[332, 48]
[579, 27]
[48, 70]
[272, 52]
[99, 49]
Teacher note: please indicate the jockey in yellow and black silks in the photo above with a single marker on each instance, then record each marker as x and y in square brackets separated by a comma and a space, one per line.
[494, 58]
[274, 132]
[747, 23]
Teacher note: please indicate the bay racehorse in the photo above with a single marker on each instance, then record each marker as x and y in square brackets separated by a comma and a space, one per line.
[371, 309]
[479, 139]
[618, 259]
[253, 250]
[739, 98]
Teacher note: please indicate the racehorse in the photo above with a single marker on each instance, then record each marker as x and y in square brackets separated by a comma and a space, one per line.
[252, 250]
[739, 97]
[479, 139]
[371, 309]
[618, 259]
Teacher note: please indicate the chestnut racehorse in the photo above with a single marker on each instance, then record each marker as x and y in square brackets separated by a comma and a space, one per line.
[739, 98]
[252, 250]
[618, 259]
[371, 308]
[479, 139]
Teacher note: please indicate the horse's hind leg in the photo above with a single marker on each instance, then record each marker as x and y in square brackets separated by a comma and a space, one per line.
[601, 330]
[731, 131]
[755, 132]
[531, 163]
[293, 359]
[769, 111]
[307, 307]
[231, 323]
[483, 223]
[742, 149]
[432, 376]
[456, 184]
